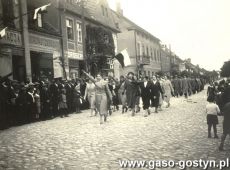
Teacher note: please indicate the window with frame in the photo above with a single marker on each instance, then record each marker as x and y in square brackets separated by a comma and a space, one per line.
[7, 13]
[39, 20]
[106, 12]
[103, 10]
[151, 54]
[1, 11]
[147, 51]
[69, 25]
[138, 49]
[155, 55]
[79, 32]
[143, 50]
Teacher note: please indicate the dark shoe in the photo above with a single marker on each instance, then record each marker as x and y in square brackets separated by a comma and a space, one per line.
[221, 148]
[216, 137]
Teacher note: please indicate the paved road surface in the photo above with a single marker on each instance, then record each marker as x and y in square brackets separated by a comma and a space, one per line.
[80, 142]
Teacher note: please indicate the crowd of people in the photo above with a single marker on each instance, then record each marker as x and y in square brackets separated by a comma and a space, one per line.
[27, 102]
[22, 103]
[218, 97]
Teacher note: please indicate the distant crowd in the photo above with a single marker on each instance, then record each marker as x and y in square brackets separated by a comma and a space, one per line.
[22, 103]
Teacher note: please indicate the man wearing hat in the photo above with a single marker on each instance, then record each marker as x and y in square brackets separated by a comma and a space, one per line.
[45, 102]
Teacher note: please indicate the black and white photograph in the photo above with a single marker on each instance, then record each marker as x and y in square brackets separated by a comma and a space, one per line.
[114, 84]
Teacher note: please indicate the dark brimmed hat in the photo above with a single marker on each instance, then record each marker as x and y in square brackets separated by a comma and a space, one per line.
[130, 73]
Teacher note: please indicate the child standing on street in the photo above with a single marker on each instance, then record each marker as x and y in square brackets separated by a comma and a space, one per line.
[212, 111]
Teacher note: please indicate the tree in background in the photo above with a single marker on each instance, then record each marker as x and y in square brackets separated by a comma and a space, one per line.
[225, 70]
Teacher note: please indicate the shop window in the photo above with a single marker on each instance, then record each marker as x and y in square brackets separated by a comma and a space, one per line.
[69, 25]
[79, 32]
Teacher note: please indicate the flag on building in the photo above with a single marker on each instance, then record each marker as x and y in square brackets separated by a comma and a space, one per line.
[40, 9]
[3, 32]
[123, 58]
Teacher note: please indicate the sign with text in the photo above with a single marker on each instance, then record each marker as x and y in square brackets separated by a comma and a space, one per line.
[12, 37]
[73, 55]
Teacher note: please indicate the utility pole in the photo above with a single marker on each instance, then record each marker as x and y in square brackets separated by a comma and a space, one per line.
[25, 32]
[62, 23]
[84, 35]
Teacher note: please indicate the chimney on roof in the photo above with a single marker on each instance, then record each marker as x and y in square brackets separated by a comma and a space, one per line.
[118, 7]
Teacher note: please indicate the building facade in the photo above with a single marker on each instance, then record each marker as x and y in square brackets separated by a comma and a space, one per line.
[143, 48]
[11, 45]
[165, 59]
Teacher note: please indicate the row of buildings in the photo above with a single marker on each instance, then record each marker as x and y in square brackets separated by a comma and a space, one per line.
[76, 34]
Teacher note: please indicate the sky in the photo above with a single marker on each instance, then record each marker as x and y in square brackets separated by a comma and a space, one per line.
[196, 29]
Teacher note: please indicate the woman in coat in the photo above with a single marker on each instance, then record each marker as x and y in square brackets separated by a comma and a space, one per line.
[168, 90]
[103, 96]
[77, 96]
[90, 92]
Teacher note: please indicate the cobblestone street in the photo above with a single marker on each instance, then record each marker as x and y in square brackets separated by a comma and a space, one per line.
[80, 142]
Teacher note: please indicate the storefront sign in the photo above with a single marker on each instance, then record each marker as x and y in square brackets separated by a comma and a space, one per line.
[39, 41]
[12, 37]
[73, 55]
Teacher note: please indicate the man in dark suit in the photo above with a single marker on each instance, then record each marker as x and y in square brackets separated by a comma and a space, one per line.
[146, 95]
[155, 93]
[176, 86]
[54, 92]
[45, 102]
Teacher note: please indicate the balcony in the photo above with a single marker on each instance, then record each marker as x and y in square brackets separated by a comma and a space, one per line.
[143, 60]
